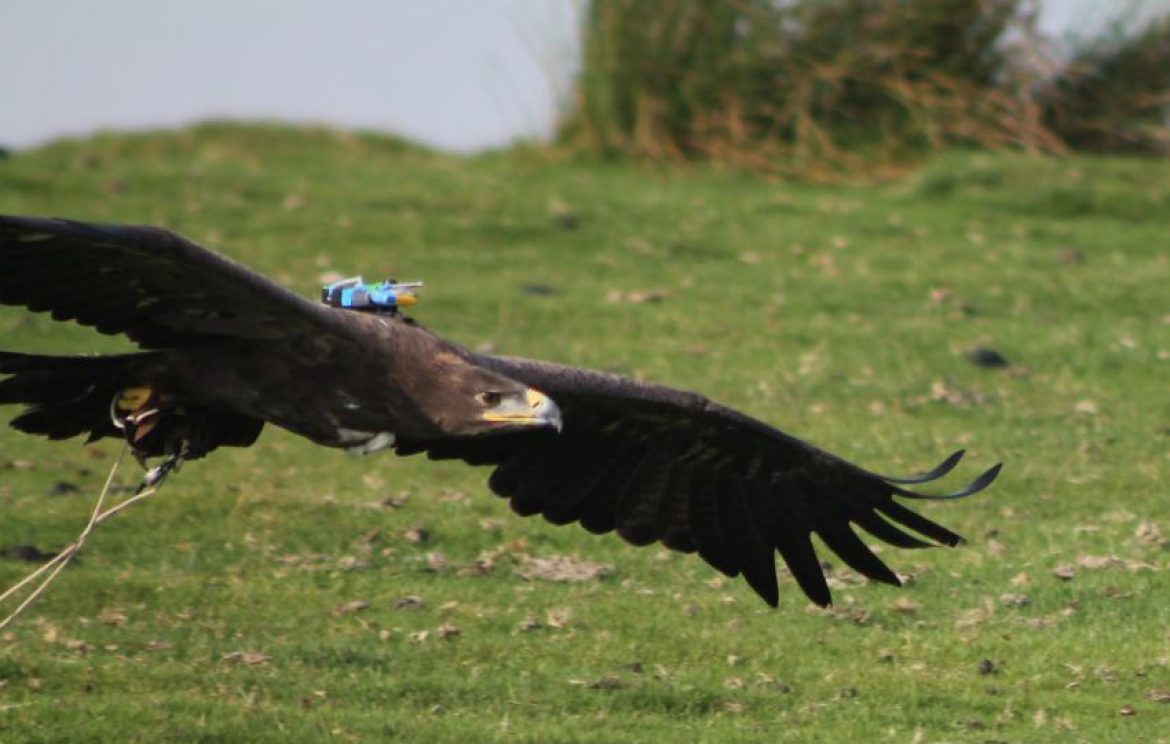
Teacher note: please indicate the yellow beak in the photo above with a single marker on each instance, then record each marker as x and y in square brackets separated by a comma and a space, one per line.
[537, 409]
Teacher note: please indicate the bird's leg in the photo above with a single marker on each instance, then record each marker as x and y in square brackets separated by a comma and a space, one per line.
[136, 413]
[171, 463]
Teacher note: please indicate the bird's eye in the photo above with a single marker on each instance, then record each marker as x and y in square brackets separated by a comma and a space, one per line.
[490, 398]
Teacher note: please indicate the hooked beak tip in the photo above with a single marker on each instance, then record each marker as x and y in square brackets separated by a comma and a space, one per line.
[544, 409]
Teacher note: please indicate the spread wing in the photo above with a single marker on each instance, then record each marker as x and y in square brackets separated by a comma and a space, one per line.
[655, 463]
[148, 283]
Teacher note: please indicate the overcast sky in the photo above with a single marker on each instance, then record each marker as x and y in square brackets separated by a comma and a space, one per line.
[458, 74]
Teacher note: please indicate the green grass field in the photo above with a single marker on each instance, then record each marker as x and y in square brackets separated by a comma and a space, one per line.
[229, 607]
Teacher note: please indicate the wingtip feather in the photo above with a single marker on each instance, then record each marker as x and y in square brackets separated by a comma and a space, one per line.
[985, 479]
[944, 467]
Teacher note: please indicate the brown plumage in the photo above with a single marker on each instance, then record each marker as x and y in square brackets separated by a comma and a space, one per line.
[225, 350]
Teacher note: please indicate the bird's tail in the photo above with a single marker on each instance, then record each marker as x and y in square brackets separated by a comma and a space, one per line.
[65, 396]
[116, 396]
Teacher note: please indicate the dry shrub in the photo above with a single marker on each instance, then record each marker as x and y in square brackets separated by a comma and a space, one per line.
[818, 86]
[1114, 95]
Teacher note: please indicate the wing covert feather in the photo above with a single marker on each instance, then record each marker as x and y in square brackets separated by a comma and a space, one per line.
[656, 463]
[150, 284]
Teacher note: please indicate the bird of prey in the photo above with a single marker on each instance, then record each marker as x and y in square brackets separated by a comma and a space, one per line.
[223, 350]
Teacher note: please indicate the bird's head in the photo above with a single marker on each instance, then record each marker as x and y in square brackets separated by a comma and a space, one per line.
[477, 401]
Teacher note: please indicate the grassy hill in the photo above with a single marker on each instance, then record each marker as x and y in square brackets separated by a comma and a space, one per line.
[290, 593]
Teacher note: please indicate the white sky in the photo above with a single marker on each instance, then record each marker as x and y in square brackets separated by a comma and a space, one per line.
[457, 74]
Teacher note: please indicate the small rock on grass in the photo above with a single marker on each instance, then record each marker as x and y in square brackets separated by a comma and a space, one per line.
[529, 624]
[417, 535]
[436, 561]
[607, 682]
[637, 296]
[26, 553]
[905, 606]
[560, 568]
[249, 658]
[348, 608]
[988, 358]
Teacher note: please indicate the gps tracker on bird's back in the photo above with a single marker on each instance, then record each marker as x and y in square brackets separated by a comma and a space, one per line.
[354, 294]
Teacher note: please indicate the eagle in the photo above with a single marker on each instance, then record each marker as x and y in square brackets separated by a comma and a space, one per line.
[224, 350]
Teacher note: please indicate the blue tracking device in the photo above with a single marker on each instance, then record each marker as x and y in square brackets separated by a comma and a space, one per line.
[354, 294]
